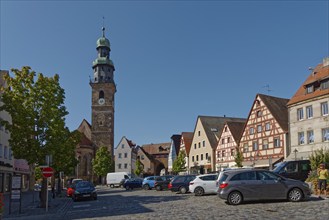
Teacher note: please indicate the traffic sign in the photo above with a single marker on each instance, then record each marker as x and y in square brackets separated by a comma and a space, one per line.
[47, 172]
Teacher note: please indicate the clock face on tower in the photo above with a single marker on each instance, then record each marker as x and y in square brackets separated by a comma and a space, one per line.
[101, 101]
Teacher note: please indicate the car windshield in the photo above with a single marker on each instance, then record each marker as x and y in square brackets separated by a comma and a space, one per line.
[279, 166]
[83, 184]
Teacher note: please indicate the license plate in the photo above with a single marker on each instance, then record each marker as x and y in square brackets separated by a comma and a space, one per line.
[86, 195]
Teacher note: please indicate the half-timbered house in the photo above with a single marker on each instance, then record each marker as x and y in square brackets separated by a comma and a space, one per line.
[264, 136]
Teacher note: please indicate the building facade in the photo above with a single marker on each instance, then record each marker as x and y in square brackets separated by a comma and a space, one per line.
[308, 114]
[125, 156]
[265, 135]
[204, 143]
[6, 156]
[103, 94]
[185, 146]
[174, 151]
[228, 144]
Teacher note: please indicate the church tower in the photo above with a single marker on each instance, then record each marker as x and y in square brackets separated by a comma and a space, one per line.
[103, 91]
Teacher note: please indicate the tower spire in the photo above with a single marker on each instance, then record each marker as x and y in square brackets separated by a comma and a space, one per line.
[103, 28]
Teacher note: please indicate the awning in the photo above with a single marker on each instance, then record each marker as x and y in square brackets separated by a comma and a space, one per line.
[261, 163]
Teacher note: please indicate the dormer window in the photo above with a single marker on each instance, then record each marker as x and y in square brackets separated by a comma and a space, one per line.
[309, 89]
[325, 84]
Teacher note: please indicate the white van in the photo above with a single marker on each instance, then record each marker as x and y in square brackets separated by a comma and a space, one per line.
[114, 179]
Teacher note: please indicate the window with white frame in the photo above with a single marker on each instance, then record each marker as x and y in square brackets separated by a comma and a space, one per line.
[126, 166]
[126, 155]
[325, 134]
[259, 128]
[206, 156]
[300, 114]
[325, 84]
[201, 157]
[197, 157]
[310, 137]
[267, 126]
[232, 152]
[259, 114]
[122, 145]
[228, 139]
[276, 142]
[5, 153]
[301, 138]
[119, 156]
[254, 145]
[199, 144]
[265, 144]
[192, 158]
[324, 108]
[251, 130]
[194, 146]
[245, 147]
[309, 112]
[119, 165]
[223, 153]
[203, 143]
[309, 89]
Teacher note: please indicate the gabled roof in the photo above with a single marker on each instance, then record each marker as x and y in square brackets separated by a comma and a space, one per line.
[213, 126]
[150, 157]
[161, 148]
[278, 108]
[319, 73]
[84, 141]
[85, 128]
[187, 137]
[236, 129]
[176, 139]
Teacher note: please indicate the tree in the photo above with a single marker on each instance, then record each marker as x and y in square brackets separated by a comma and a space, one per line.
[37, 125]
[319, 156]
[103, 163]
[179, 163]
[139, 167]
[238, 157]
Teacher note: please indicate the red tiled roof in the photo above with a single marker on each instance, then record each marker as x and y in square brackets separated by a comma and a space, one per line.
[161, 148]
[187, 137]
[318, 74]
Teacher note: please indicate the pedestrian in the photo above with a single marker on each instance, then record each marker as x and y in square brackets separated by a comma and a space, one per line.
[322, 180]
[53, 191]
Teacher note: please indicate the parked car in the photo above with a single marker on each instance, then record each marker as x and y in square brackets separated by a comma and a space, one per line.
[161, 182]
[70, 187]
[84, 189]
[204, 184]
[148, 182]
[297, 169]
[240, 185]
[181, 183]
[133, 183]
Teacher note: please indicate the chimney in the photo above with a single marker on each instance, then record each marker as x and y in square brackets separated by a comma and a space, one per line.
[326, 61]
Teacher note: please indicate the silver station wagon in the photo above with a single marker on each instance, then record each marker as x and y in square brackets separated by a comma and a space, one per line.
[240, 185]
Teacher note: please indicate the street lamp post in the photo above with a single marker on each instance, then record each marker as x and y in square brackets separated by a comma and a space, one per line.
[295, 151]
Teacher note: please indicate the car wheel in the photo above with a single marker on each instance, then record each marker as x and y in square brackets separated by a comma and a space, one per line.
[234, 198]
[182, 190]
[295, 195]
[127, 187]
[158, 188]
[112, 186]
[199, 191]
[146, 187]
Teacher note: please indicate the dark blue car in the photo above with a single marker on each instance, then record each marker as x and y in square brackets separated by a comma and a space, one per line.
[84, 189]
[133, 183]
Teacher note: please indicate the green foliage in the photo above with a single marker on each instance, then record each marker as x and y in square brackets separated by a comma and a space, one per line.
[179, 163]
[38, 117]
[37, 173]
[103, 163]
[238, 157]
[139, 168]
[37, 126]
[319, 156]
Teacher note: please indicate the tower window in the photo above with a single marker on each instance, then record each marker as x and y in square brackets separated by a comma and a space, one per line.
[101, 94]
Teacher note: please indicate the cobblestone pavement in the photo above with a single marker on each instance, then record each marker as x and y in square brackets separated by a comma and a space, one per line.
[151, 204]
[140, 204]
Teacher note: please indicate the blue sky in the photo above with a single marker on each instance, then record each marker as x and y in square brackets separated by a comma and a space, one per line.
[174, 60]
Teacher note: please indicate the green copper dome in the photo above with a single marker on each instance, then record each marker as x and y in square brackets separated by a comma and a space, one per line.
[103, 42]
